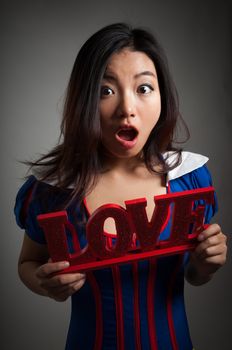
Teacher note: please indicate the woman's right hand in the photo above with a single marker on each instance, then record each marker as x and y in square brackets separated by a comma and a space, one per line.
[59, 286]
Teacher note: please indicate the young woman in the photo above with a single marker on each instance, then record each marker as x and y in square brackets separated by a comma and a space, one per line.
[116, 144]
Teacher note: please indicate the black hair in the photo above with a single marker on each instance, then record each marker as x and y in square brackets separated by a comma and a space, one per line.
[77, 159]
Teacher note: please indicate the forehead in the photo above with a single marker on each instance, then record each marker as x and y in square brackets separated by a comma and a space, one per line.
[127, 62]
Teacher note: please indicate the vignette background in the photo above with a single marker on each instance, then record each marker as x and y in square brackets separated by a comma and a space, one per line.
[39, 42]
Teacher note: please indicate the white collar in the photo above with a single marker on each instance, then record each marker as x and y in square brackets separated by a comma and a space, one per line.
[189, 162]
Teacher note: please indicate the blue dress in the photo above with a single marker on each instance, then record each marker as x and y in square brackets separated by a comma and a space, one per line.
[134, 306]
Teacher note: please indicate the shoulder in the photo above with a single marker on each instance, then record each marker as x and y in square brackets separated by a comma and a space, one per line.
[191, 173]
[35, 190]
[35, 197]
[189, 162]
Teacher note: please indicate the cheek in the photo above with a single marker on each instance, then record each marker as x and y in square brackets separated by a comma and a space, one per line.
[105, 120]
[105, 124]
[106, 129]
[158, 109]
[153, 112]
[158, 104]
[104, 114]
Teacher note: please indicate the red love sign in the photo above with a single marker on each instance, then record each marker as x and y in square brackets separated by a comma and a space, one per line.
[130, 223]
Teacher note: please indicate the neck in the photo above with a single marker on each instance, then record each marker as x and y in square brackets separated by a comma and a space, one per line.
[124, 165]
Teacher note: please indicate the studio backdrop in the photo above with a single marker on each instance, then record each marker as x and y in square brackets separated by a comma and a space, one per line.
[39, 42]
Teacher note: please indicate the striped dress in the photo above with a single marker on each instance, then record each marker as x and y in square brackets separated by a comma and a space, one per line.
[135, 306]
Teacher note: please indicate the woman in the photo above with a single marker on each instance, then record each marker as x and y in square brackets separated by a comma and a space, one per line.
[120, 115]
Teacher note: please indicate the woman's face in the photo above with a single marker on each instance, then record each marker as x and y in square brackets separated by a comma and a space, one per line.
[130, 103]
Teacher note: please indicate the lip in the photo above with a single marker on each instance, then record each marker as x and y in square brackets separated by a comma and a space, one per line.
[128, 144]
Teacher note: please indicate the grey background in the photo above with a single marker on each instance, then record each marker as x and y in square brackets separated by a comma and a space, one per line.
[39, 42]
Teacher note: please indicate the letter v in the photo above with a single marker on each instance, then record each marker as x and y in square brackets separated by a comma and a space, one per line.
[148, 232]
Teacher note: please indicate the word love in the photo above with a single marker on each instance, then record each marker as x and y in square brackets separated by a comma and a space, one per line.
[186, 224]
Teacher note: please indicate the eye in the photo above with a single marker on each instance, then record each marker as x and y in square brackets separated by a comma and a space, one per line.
[145, 89]
[106, 91]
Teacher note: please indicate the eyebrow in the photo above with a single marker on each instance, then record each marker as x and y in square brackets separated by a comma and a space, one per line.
[146, 72]
[108, 76]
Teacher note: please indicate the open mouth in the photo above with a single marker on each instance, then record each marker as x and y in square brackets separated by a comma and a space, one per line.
[127, 133]
[127, 136]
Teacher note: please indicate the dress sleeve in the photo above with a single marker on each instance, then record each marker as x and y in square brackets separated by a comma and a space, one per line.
[200, 178]
[27, 207]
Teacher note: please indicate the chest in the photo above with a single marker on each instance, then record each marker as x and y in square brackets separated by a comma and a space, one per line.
[110, 190]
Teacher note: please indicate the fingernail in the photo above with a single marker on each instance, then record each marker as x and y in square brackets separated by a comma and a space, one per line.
[200, 237]
[65, 263]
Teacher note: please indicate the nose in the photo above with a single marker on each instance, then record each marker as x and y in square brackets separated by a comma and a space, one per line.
[127, 106]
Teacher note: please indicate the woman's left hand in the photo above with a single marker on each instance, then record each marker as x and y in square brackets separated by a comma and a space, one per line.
[208, 256]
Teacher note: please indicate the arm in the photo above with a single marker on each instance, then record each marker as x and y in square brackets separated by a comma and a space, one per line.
[37, 272]
[208, 257]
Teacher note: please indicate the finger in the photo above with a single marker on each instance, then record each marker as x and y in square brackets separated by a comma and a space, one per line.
[67, 279]
[217, 250]
[62, 293]
[62, 280]
[215, 240]
[55, 290]
[50, 268]
[211, 230]
[215, 261]
[209, 242]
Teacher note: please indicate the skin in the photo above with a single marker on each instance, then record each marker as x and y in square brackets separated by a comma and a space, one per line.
[36, 271]
[129, 96]
[208, 257]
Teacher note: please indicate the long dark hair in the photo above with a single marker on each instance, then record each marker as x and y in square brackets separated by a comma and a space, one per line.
[77, 159]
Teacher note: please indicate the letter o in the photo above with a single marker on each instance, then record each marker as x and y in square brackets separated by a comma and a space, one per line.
[95, 231]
